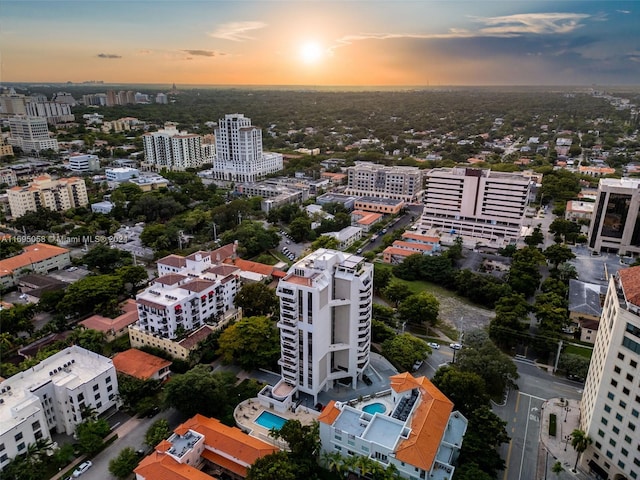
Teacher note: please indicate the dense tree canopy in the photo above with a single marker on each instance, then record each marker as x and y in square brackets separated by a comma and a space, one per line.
[252, 342]
[404, 350]
[200, 391]
[257, 299]
[418, 308]
[252, 237]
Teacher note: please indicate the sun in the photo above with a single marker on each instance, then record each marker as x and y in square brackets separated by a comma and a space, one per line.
[311, 52]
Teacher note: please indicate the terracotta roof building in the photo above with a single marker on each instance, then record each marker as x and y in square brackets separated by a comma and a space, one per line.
[200, 445]
[142, 365]
[114, 327]
[419, 433]
[37, 258]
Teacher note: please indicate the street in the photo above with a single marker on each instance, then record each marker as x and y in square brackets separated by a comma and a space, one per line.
[132, 437]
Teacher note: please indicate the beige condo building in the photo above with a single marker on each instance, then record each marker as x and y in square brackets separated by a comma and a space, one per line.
[610, 409]
[373, 180]
[44, 192]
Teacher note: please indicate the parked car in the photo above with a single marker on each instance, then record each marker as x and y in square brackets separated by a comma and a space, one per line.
[417, 365]
[83, 467]
[434, 345]
[359, 250]
[153, 412]
[455, 346]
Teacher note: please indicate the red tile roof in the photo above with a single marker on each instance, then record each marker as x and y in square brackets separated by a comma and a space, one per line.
[249, 266]
[196, 337]
[31, 254]
[170, 279]
[197, 285]
[139, 364]
[630, 279]
[428, 422]
[421, 238]
[329, 413]
[173, 261]
[159, 466]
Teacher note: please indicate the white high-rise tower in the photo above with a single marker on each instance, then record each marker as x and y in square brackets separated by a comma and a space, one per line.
[325, 321]
[239, 155]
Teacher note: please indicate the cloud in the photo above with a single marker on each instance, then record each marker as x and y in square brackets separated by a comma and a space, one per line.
[531, 23]
[204, 53]
[145, 51]
[108, 55]
[626, 12]
[503, 26]
[236, 31]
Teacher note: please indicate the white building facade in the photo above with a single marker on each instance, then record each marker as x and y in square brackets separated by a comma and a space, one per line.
[51, 395]
[84, 163]
[610, 408]
[373, 180]
[120, 174]
[325, 322]
[239, 156]
[476, 203]
[31, 133]
[172, 149]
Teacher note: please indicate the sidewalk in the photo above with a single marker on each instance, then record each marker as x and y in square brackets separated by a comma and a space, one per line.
[558, 448]
[121, 431]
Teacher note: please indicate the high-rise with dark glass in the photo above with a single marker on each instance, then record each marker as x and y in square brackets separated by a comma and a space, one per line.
[615, 224]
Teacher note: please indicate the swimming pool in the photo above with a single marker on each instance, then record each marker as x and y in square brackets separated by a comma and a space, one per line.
[374, 408]
[268, 420]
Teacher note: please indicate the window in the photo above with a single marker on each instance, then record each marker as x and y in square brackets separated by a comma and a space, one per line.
[607, 408]
[604, 421]
[620, 463]
[618, 417]
[108, 380]
[632, 426]
[1, 447]
[610, 396]
[627, 438]
[97, 396]
[600, 433]
[95, 388]
[623, 404]
[21, 446]
[616, 369]
[620, 356]
[38, 434]
[99, 405]
[616, 430]
[624, 451]
[109, 388]
[4, 458]
[18, 436]
[633, 363]
[609, 454]
[635, 413]
[614, 383]
[629, 377]
[35, 425]
[625, 390]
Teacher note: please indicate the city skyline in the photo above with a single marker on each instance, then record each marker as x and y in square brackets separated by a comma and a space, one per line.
[318, 43]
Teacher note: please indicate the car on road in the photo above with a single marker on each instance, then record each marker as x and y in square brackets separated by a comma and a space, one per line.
[359, 250]
[417, 365]
[434, 345]
[83, 467]
[153, 412]
[455, 346]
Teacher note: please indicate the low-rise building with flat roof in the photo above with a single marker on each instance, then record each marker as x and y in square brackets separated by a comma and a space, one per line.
[346, 237]
[386, 206]
[38, 258]
[51, 395]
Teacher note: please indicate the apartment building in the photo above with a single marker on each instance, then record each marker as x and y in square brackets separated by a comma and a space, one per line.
[410, 244]
[274, 194]
[475, 203]
[577, 210]
[44, 192]
[120, 174]
[615, 223]
[203, 443]
[239, 156]
[325, 324]
[37, 258]
[51, 395]
[172, 149]
[417, 431]
[610, 408]
[373, 180]
[346, 237]
[30, 134]
[8, 176]
[190, 293]
[52, 112]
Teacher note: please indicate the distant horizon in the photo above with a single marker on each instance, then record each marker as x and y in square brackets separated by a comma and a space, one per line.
[317, 44]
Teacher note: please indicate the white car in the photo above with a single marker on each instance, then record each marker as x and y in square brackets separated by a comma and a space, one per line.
[434, 345]
[83, 467]
[455, 346]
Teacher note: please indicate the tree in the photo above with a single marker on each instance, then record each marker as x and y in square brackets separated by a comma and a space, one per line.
[485, 433]
[325, 241]
[257, 299]
[557, 468]
[200, 391]
[465, 389]
[524, 273]
[276, 465]
[557, 254]
[90, 434]
[303, 442]
[510, 320]
[580, 441]
[158, 431]
[418, 308]
[536, 237]
[252, 237]
[564, 229]
[381, 277]
[92, 294]
[134, 390]
[404, 350]
[252, 342]
[396, 291]
[132, 275]
[122, 466]
[482, 357]
[87, 338]
[300, 228]
[105, 259]
[471, 471]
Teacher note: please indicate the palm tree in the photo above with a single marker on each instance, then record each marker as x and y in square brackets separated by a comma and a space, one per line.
[557, 468]
[580, 441]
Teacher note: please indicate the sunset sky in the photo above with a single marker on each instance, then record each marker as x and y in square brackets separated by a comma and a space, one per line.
[305, 42]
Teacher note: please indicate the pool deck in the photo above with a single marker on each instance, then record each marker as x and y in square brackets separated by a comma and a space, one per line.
[246, 413]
